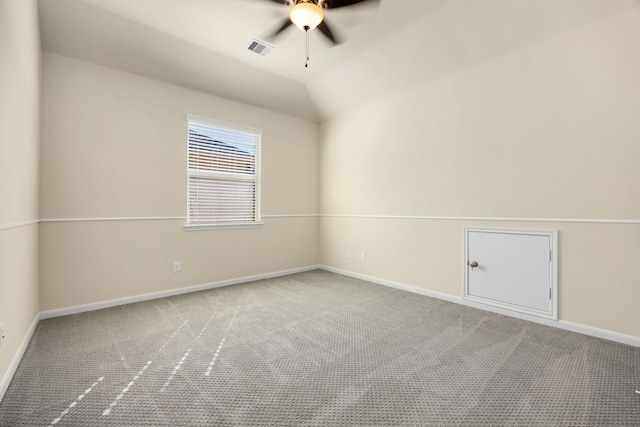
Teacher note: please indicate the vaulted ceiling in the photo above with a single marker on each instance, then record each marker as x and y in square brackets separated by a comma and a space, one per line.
[400, 45]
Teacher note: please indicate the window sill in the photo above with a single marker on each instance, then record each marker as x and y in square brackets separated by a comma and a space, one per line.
[206, 227]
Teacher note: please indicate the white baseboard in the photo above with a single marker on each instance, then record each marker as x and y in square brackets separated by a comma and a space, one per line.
[574, 327]
[163, 294]
[562, 324]
[13, 366]
[8, 376]
[397, 285]
[599, 333]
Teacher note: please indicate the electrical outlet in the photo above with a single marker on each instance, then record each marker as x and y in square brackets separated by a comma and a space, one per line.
[348, 253]
[363, 256]
[176, 266]
[1, 333]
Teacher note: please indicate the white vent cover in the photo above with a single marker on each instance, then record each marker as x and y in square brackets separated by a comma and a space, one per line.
[259, 47]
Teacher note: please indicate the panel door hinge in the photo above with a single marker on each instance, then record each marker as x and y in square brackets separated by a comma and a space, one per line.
[550, 257]
[549, 293]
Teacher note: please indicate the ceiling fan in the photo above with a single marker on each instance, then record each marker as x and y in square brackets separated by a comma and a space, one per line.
[308, 15]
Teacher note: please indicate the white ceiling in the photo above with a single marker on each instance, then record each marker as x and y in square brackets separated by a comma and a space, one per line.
[202, 44]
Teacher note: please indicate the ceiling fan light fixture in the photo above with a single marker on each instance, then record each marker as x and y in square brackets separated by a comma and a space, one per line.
[306, 15]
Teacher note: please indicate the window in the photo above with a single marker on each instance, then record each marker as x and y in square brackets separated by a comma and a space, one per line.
[223, 174]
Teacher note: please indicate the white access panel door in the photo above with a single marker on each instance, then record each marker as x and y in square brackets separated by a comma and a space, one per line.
[513, 270]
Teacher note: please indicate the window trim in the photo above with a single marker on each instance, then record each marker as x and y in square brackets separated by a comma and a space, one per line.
[256, 177]
[226, 226]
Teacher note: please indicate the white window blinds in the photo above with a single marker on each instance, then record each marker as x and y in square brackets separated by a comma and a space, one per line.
[223, 171]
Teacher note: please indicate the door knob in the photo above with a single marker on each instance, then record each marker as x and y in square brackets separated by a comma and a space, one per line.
[473, 265]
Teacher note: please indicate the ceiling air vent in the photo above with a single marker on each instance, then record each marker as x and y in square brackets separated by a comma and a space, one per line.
[260, 47]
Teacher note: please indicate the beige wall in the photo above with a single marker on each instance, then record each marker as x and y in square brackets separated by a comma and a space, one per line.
[549, 132]
[19, 135]
[113, 147]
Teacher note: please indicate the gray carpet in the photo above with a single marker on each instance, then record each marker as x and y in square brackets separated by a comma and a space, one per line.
[320, 349]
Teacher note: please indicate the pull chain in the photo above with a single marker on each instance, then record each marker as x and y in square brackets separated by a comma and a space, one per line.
[306, 30]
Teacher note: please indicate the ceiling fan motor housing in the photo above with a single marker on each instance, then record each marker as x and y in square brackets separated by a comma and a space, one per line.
[308, 14]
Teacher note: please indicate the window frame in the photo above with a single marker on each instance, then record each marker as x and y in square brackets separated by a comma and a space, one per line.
[224, 175]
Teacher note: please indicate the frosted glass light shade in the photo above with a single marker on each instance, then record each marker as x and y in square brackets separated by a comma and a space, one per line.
[306, 16]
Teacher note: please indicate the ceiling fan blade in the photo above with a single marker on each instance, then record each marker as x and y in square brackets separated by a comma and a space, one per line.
[332, 4]
[287, 2]
[285, 24]
[324, 29]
